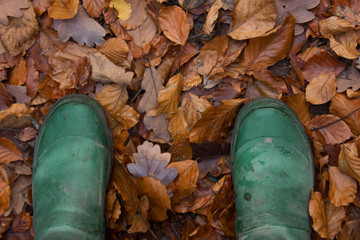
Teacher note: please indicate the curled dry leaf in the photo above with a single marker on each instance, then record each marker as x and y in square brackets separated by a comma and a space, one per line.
[331, 130]
[149, 161]
[112, 96]
[334, 25]
[27, 134]
[138, 15]
[169, 97]
[114, 49]
[94, 7]
[349, 78]
[252, 18]
[144, 33]
[335, 217]
[19, 34]
[103, 70]
[159, 199]
[218, 118]
[317, 213]
[82, 28]
[344, 44]
[4, 190]
[12, 9]
[342, 106]
[63, 9]
[342, 189]
[174, 24]
[8, 151]
[212, 16]
[349, 160]
[265, 51]
[321, 89]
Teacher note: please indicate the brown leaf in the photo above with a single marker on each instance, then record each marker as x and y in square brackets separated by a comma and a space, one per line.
[322, 61]
[342, 189]
[194, 107]
[218, 118]
[335, 217]
[174, 24]
[5, 98]
[126, 116]
[169, 97]
[317, 213]
[298, 104]
[265, 51]
[4, 191]
[19, 34]
[103, 70]
[40, 6]
[188, 176]
[82, 28]
[61, 9]
[27, 134]
[335, 25]
[8, 151]
[94, 7]
[349, 160]
[112, 96]
[344, 44]
[149, 161]
[114, 49]
[12, 9]
[252, 18]
[350, 230]
[152, 83]
[19, 93]
[321, 89]
[138, 16]
[212, 16]
[159, 199]
[341, 106]
[19, 194]
[21, 222]
[178, 126]
[160, 126]
[144, 33]
[334, 133]
[181, 149]
[349, 78]
[18, 75]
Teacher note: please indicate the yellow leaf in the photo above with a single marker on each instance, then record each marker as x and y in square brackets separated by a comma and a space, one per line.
[321, 89]
[342, 189]
[123, 8]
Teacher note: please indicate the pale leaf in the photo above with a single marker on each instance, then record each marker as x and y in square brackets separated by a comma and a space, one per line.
[349, 78]
[12, 9]
[143, 34]
[159, 125]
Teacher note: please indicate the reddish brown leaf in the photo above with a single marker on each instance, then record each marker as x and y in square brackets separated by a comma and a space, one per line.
[349, 160]
[94, 7]
[299, 106]
[27, 134]
[8, 151]
[21, 222]
[144, 33]
[18, 75]
[317, 213]
[342, 189]
[40, 6]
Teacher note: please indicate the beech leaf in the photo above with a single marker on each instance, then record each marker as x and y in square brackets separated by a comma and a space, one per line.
[144, 33]
[344, 44]
[321, 89]
[114, 49]
[63, 9]
[94, 7]
[122, 7]
[8, 151]
[174, 24]
[12, 9]
[149, 161]
[342, 189]
[317, 213]
[112, 96]
[349, 160]
[160, 126]
[349, 78]
[81, 28]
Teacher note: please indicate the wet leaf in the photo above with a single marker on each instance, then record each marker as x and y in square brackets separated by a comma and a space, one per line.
[342, 189]
[61, 9]
[321, 89]
[81, 28]
[252, 18]
[174, 24]
[12, 9]
[149, 161]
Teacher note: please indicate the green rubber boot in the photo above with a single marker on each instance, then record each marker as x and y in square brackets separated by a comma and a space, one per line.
[273, 172]
[72, 164]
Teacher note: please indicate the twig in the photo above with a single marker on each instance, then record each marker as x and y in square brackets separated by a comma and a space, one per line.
[174, 230]
[331, 123]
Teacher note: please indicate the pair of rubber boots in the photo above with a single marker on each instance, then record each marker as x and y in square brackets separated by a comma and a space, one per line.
[272, 171]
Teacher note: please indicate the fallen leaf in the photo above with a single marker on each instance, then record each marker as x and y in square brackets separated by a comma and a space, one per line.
[114, 49]
[174, 24]
[5, 99]
[160, 126]
[299, 10]
[63, 9]
[349, 160]
[32, 78]
[265, 51]
[40, 6]
[27, 134]
[181, 149]
[342, 189]
[149, 161]
[18, 75]
[321, 89]
[317, 213]
[138, 15]
[334, 25]
[123, 8]
[126, 116]
[212, 16]
[144, 33]
[342, 106]
[4, 190]
[332, 129]
[112, 96]
[169, 97]
[350, 230]
[159, 199]
[22, 222]
[299, 105]
[19, 93]
[94, 7]
[18, 194]
[8, 151]
[178, 126]
[12, 9]
[344, 44]
[103, 70]
[349, 78]
[81, 28]
[252, 18]
[218, 118]
[19, 34]
[195, 106]
[335, 217]
[152, 83]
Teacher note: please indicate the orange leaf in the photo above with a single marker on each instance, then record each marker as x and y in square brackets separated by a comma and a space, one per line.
[178, 126]
[126, 116]
[112, 96]
[144, 33]
[217, 118]
[18, 76]
[333, 133]
[342, 189]
[158, 197]
[174, 24]
[212, 16]
[8, 151]
[335, 217]
[63, 9]
[349, 160]
[341, 106]
[169, 97]
[4, 191]
[298, 104]
[114, 49]
[317, 213]
[252, 18]
[265, 51]
[194, 106]
[344, 45]
[321, 89]
[94, 7]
